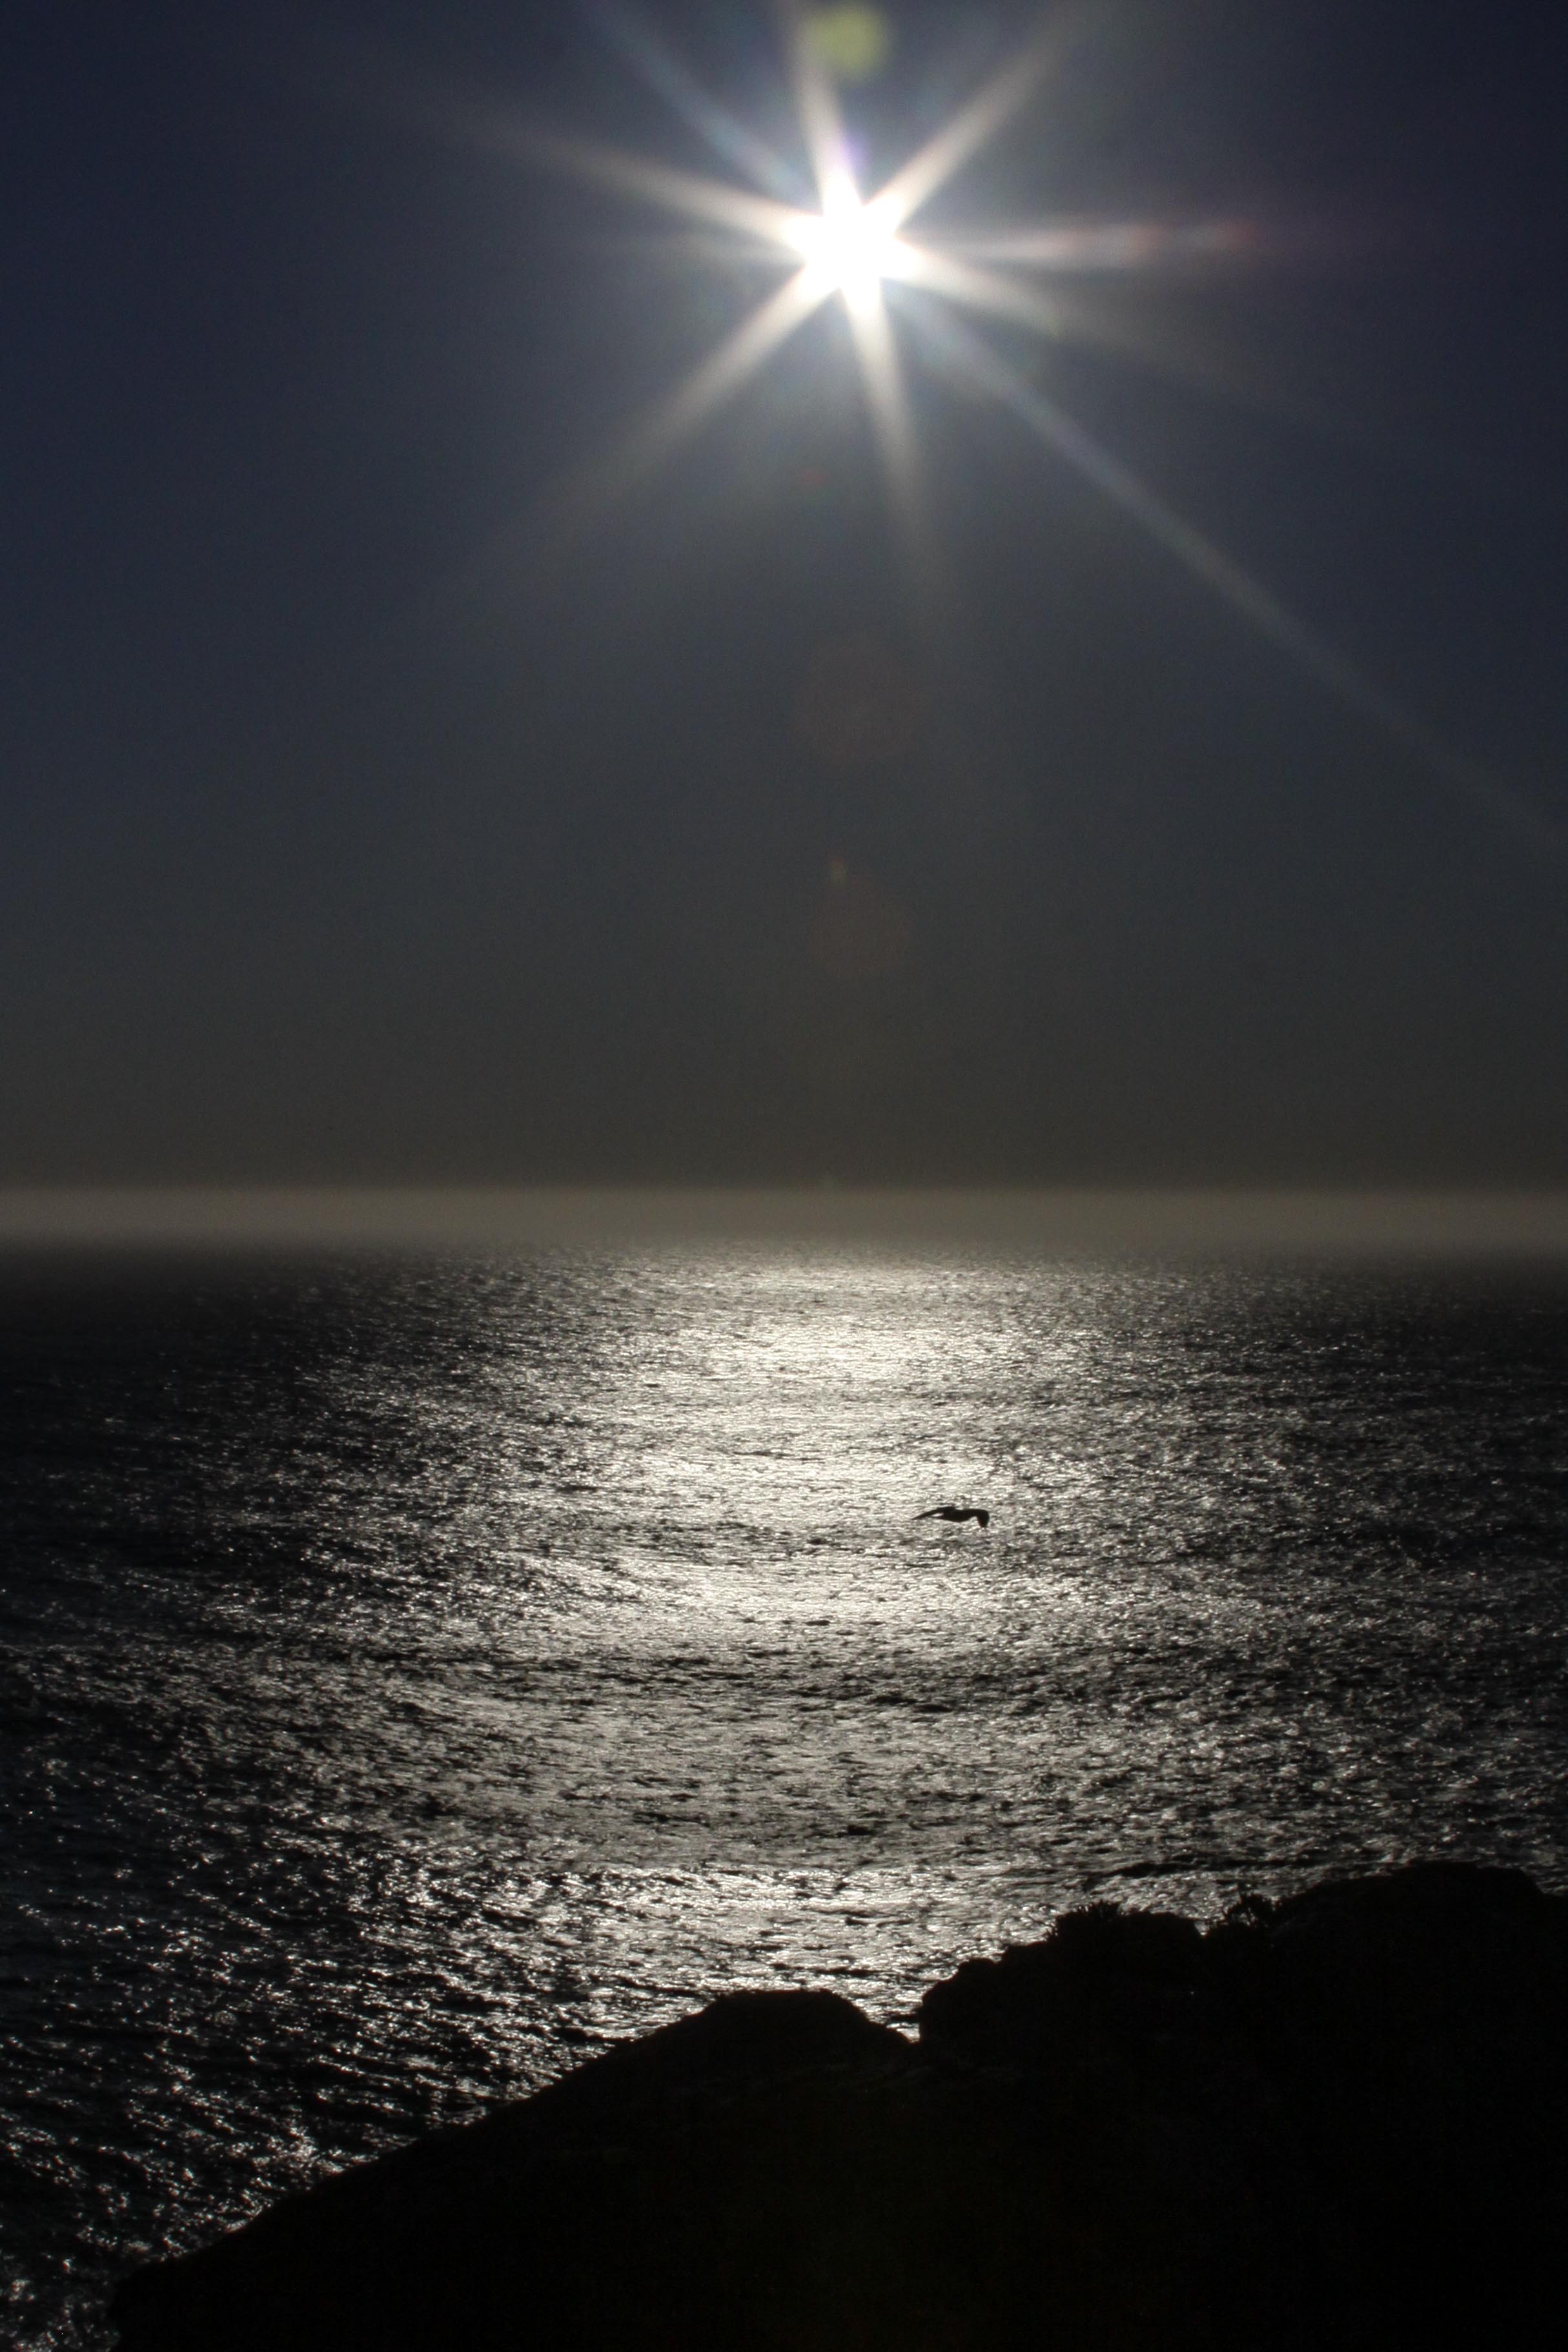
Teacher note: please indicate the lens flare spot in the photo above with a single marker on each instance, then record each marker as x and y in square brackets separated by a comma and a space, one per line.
[859, 932]
[851, 44]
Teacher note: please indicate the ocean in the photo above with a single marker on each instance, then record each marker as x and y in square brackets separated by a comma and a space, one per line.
[415, 1673]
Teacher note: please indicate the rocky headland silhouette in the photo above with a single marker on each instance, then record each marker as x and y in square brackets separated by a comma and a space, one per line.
[1340, 2119]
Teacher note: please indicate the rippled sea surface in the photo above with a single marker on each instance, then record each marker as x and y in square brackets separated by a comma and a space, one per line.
[416, 1674]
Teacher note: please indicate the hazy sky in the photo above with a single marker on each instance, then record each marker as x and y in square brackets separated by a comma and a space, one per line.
[361, 825]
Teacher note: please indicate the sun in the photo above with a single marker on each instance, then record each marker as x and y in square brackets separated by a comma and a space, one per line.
[849, 246]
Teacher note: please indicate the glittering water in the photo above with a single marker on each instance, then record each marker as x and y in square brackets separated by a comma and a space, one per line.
[414, 1676]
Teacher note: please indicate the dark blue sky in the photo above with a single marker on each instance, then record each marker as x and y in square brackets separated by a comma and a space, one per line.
[355, 829]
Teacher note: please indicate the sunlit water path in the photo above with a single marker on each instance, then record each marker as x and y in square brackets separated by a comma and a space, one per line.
[414, 1676]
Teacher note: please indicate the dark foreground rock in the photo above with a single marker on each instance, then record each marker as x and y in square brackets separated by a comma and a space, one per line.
[1341, 2120]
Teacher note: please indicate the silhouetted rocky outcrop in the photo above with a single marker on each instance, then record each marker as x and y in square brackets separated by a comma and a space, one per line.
[1341, 2120]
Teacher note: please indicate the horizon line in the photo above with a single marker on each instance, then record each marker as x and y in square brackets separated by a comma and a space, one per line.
[1404, 1220]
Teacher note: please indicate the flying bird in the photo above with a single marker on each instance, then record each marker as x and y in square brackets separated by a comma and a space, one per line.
[956, 1511]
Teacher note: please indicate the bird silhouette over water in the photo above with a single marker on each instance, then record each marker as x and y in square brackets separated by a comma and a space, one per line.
[955, 1511]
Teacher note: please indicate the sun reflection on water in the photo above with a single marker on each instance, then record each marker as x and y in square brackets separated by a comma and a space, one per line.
[440, 1673]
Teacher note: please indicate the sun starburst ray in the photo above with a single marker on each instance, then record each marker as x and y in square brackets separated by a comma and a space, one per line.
[611, 168]
[936, 272]
[1072, 314]
[898, 448]
[972, 128]
[1110, 245]
[1470, 780]
[1075, 313]
[710, 386]
[627, 31]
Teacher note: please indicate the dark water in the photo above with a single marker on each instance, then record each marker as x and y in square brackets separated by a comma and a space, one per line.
[414, 1676]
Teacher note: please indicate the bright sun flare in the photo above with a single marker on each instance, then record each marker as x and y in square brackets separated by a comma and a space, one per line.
[849, 244]
[853, 248]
